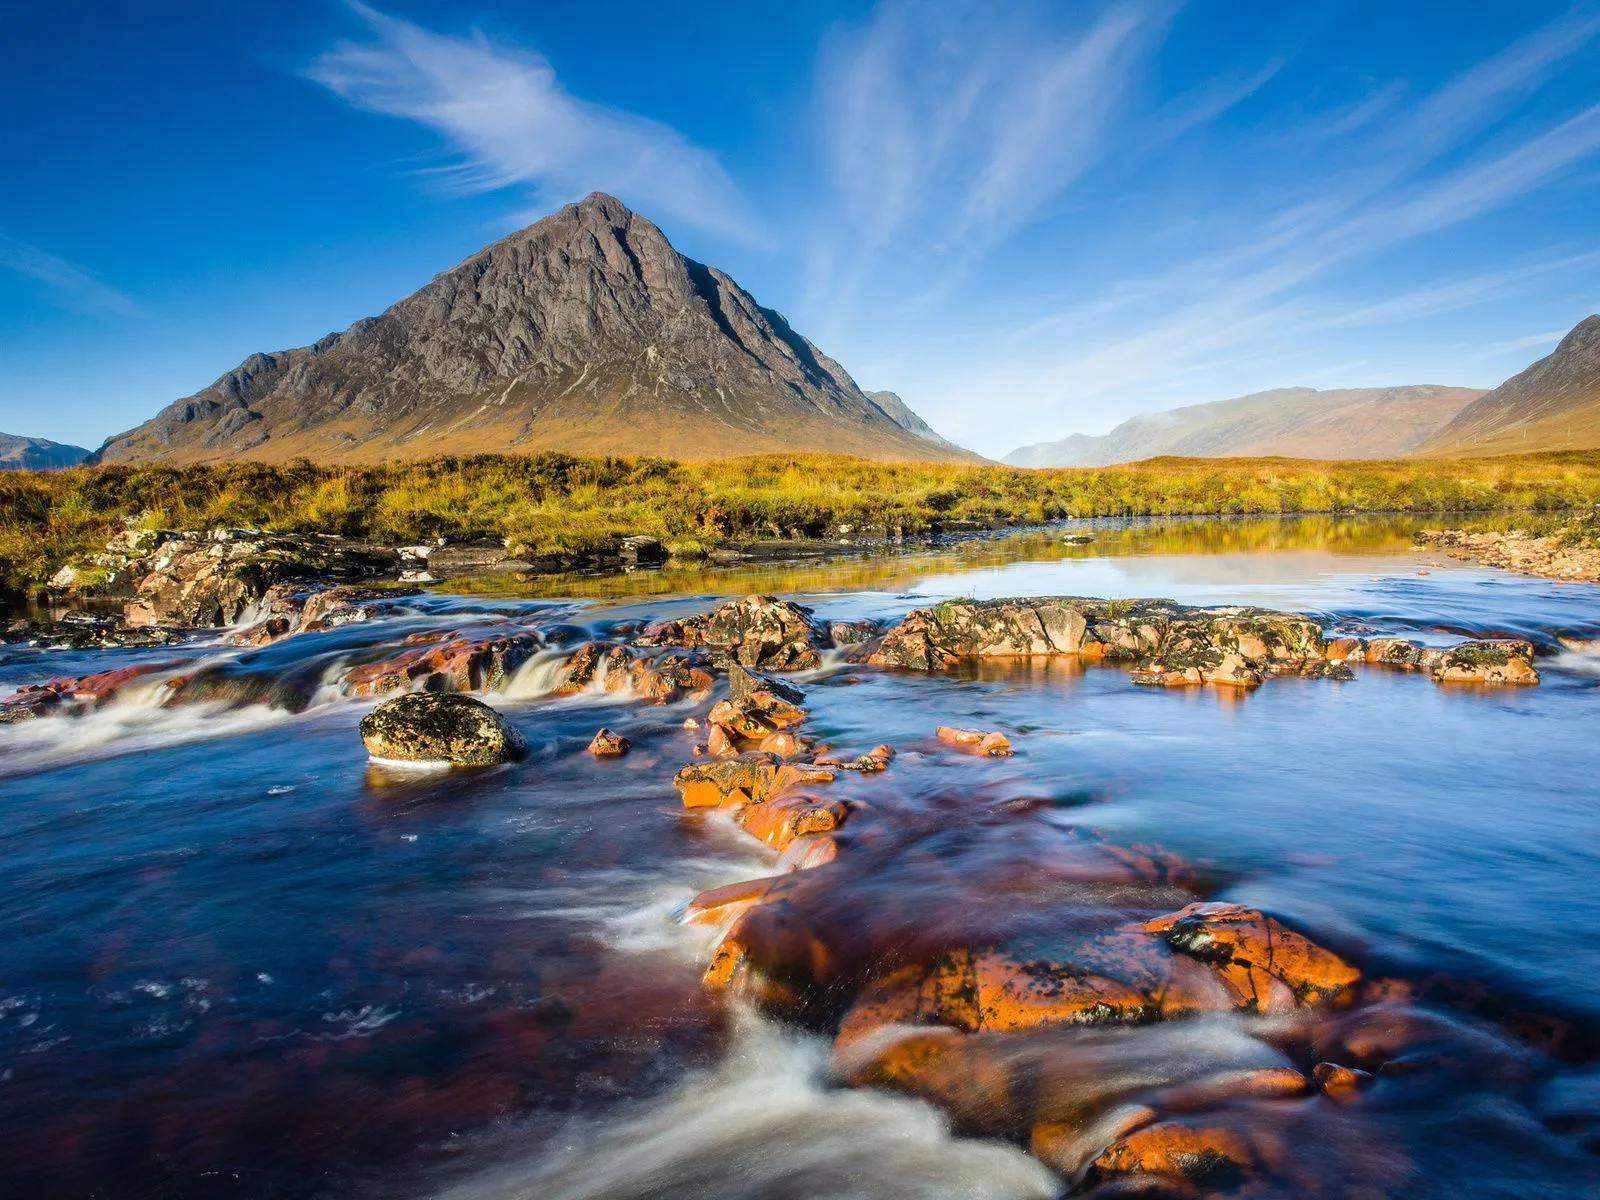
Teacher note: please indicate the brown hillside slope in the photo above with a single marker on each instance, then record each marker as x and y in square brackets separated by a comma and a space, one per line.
[585, 332]
[1553, 405]
[1342, 423]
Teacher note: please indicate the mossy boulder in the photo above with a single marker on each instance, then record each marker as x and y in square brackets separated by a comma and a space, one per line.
[440, 727]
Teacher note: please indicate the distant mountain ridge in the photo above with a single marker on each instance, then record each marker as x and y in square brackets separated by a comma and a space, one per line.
[1293, 422]
[585, 332]
[1553, 405]
[37, 454]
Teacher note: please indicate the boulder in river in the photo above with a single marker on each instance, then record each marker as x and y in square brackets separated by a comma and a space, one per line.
[440, 728]
[760, 632]
[1502, 661]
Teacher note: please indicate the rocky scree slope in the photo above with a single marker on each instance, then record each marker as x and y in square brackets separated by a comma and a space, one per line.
[585, 332]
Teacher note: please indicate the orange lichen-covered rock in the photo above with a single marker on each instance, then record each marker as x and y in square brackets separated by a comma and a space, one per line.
[609, 745]
[972, 1080]
[811, 851]
[670, 679]
[778, 703]
[721, 743]
[760, 632]
[783, 743]
[771, 958]
[721, 905]
[1251, 952]
[1345, 649]
[66, 694]
[1393, 652]
[1016, 994]
[737, 721]
[747, 779]
[779, 821]
[262, 633]
[1503, 661]
[1069, 1146]
[1209, 1156]
[444, 662]
[1209, 1091]
[994, 744]
[1343, 1084]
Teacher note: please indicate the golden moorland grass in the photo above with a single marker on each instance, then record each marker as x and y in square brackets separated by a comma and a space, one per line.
[570, 506]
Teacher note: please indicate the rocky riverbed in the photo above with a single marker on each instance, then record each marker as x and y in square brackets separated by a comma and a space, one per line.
[1154, 940]
[1549, 556]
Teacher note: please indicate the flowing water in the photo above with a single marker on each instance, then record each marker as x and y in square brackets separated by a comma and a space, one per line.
[239, 960]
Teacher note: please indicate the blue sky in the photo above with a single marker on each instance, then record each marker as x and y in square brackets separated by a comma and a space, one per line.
[1029, 220]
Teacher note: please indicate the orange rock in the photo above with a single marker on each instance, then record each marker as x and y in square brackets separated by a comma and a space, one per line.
[771, 958]
[1343, 1084]
[721, 905]
[806, 852]
[1014, 994]
[609, 745]
[1216, 1157]
[885, 752]
[778, 822]
[263, 633]
[443, 662]
[1209, 1091]
[995, 744]
[1251, 950]
[783, 744]
[747, 779]
[738, 721]
[1069, 1146]
[720, 742]
[971, 1079]
[1346, 649]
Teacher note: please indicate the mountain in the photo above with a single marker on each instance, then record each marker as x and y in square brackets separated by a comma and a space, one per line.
[1293, 422]
[36, 454]
[1553, 405]
[898, 411]
[585, 332]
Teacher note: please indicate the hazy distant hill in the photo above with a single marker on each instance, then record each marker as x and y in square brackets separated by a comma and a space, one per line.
[584, 332]
[1295, 422]
[898, 411]
[1553, 405]
[36, 454]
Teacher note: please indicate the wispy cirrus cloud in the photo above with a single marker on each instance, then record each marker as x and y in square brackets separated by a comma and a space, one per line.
[945, 131]
[506, 116]
[1248, 278]
[68, 285]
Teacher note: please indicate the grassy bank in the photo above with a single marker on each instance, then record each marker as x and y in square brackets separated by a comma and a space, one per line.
[573, 506]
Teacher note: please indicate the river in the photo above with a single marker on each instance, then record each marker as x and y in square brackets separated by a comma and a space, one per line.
[239, 960]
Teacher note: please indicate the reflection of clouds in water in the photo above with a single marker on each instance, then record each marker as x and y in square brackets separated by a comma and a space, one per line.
[1305, 577]
[762, 1124]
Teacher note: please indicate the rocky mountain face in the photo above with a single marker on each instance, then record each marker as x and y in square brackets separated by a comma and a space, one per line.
[36, 454]
[584, 332]
[898, 411]
[1292, 422]
[1553, 405]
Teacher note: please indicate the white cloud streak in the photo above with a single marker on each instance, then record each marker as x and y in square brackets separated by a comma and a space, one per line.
[509, 120]
[68, 285]
[1258, 274]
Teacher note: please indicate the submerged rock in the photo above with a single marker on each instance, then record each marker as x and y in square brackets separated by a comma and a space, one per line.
[444, 728]
[609, 745]
[72, 695]
[992, 745]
